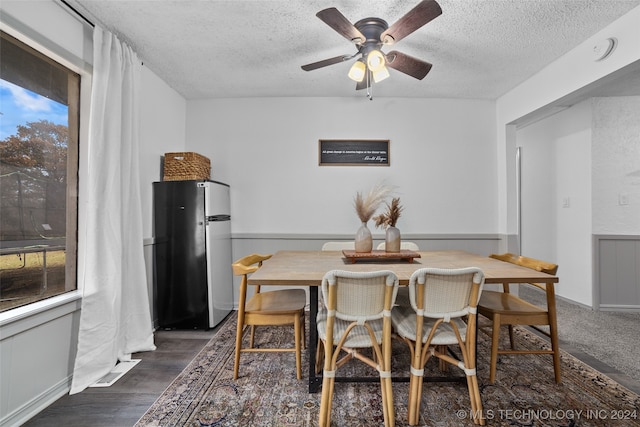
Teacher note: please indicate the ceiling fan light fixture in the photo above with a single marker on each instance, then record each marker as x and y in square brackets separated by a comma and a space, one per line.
[370, 35]
[375, 60]
[380, 74]
[357, 71]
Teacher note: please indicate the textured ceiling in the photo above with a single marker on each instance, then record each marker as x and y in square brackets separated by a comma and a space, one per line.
[220, 49]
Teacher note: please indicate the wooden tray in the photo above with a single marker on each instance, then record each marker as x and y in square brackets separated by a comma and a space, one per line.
[404, 255]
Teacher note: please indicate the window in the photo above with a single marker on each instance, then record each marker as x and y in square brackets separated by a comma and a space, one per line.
[39, 124]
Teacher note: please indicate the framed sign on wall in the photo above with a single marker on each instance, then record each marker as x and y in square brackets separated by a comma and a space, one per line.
[353, 152]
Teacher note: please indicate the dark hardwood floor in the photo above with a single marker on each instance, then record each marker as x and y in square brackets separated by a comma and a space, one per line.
[123, 403]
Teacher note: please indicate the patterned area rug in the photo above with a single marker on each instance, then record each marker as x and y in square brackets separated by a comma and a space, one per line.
[268, 393]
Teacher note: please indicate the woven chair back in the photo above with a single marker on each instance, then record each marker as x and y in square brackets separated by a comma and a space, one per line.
[360, 296]
[447, 292]
[338, 246]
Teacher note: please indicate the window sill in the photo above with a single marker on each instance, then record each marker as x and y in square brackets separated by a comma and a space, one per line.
[22, 318]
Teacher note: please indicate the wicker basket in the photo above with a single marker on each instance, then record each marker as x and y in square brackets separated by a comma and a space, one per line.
[186, 167]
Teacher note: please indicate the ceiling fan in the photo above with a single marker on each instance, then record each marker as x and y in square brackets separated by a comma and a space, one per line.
[369, 35]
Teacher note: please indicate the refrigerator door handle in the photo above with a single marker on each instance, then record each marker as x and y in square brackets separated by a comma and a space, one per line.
[220, 217]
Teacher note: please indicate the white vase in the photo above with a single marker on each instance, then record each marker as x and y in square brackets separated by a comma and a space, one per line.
[363, 241]
[392, 240]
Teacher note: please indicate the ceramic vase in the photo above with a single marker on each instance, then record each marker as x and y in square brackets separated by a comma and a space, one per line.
[363, 241]
[392, 240]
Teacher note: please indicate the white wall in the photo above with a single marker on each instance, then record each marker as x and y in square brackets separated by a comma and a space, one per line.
[539, 204]
[442, 160]
[162, 130]
[573, 201]
[556, 197]
[616, 165]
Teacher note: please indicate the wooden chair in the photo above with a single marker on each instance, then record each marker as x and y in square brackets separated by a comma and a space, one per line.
[338, 246]
[357, 317]
[280, 307]
[505, 308]
[441, 301]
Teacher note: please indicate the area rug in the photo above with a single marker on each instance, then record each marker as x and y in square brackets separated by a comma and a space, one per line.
[267, 394]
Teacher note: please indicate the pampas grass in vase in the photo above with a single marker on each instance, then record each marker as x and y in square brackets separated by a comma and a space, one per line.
[366, 206]
[388, 220]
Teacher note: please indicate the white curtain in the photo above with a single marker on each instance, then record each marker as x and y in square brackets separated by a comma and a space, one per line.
[115, 320]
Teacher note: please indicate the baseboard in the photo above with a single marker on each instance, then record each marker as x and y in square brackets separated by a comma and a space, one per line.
[620, 308]
[36, 405]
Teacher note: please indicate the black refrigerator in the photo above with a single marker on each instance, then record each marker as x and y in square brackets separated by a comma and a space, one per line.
[193, 275]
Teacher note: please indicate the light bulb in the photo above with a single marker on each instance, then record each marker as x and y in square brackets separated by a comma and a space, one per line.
[380, 74]
[375, 60]
[357, 71]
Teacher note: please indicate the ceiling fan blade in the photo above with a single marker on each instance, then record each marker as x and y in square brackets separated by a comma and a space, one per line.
[424, 12]
[326, 62]
[336, 20]
[407, 64]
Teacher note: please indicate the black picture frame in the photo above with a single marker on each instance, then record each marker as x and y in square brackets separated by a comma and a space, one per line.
[353, 152]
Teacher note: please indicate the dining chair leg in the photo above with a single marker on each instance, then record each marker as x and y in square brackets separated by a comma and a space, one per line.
[390, 405]
[239, 333]
[495, 339]
[386, 387]
[385, 375]
[444, 366]
[328, 381]
[387, 402]
[512, 339]
[303, 323]
[410, 406]
[553, 330]
[419, 385]
[385, 407]
[474, 397]
[555, 346]
[298, 339]
[253, 336]
[468, 359]
[325, 402]
[415, 397]
[478, 411]
[468, 351]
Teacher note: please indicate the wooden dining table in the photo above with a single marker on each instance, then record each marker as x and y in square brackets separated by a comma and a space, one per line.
[307, 268]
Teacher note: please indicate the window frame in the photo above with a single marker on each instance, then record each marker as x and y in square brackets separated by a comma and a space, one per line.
[80, 119]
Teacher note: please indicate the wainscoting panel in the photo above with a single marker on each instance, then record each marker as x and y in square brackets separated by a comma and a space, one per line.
[617, 272]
